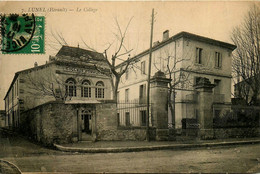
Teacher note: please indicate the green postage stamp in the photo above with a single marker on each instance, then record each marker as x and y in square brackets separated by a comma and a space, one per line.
[22, 34]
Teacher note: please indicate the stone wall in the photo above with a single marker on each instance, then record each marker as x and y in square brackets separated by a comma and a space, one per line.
[236, 132]
[56, 122]
[50, 123]
[107, 125]
[127, 133]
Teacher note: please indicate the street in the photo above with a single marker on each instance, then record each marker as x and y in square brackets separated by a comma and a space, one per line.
[235, 159]
[30, 157]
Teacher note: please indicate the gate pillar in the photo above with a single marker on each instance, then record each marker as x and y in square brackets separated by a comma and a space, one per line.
[204, 108]
[159, 99]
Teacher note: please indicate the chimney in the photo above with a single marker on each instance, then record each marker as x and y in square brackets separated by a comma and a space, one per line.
[156, 43]
[35, 64]
[165, 35]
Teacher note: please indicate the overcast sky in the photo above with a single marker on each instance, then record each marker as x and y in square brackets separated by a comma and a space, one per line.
[96, 26]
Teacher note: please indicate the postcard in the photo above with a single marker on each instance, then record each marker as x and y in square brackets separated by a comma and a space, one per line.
[129, 86]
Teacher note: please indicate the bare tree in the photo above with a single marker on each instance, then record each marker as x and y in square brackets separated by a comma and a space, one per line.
[45, 83]
[55, 40]
[115, 50]
[246, 60]
[178, 76]
[177, 65]
[120, 50]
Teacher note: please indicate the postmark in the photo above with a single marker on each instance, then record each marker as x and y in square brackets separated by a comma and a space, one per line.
[22, 34]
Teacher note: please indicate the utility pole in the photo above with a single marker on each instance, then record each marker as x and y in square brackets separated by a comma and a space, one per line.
[148, 81]
[174, 78]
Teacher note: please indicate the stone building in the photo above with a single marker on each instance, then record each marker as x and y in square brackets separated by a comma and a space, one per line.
[69, 99]
[73, 76]
[185, 58]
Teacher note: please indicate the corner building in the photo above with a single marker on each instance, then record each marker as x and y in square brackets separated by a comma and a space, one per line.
[73, 76]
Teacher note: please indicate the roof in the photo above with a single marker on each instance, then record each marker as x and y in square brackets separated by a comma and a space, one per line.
[22, 71]
[188, 35]
[77, 52]
[205, 39]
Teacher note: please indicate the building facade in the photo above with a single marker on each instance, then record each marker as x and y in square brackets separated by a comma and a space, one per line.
[69, 99]
[74, 76]
[185, 58]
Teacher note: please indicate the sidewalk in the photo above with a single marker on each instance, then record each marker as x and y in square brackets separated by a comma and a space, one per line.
[136, 146]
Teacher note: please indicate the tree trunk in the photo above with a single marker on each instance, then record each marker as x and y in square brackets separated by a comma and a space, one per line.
[170, 103]
[117, 79]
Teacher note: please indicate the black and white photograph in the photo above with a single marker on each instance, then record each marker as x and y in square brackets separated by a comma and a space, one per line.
[129, 87]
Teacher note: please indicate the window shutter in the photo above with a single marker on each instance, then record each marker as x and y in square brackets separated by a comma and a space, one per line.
[220, 60]
[197, 55]
[216, 59]
[201, 56]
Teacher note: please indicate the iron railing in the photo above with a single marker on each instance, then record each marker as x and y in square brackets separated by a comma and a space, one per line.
[133, 113]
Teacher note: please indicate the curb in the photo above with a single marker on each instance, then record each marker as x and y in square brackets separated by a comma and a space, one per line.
[12, 167]
[150, 148]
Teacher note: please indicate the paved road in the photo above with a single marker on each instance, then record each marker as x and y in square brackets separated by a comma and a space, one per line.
[243, 159]
[30, 157]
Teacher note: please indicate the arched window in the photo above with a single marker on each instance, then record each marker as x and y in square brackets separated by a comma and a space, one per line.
[86, 89]
[100, 91]
[71, 88]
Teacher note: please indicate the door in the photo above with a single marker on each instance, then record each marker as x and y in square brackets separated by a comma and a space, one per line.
[86, 121]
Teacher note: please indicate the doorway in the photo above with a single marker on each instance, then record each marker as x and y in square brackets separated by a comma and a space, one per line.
[86, 123]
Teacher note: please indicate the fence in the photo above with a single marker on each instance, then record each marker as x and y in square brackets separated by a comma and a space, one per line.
[133, 113]
[236, 116]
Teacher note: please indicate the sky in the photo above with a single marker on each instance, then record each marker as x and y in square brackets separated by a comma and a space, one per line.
[95, 24]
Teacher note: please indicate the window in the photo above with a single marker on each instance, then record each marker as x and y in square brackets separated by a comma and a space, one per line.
[199, 55]
[127, 95]
[17, 87]
[14, 89]
[143, 67]
[218, 60]
[71, 89]
[143, 118]
[100, 90]
[86, 89]
[142, 92]
[127, 119]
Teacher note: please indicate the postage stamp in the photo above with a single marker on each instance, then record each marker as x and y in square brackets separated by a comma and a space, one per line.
[22, 34]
